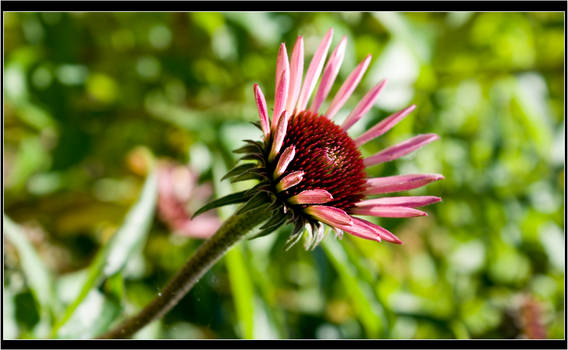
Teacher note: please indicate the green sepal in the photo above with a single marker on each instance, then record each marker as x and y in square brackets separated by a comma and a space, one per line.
[258, 174]
[277, 217]
[258, 200]
[233, 198]
[292, 240]
[238, 170]
[296, 235]
[298, 227]
[250, 147]
[252, 156]
[257, 124]
[275, 205]
[271, 225]
[254, 143]
[246, 149]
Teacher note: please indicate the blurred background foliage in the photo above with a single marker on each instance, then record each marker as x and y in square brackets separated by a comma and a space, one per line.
[91, 99]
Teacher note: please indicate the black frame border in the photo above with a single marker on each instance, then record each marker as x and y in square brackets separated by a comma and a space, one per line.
[290, 344]
[286, 6]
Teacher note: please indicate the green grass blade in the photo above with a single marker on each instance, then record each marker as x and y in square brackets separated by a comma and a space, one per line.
[241, 285]
[366, 308]
[242, 290]
[365, 276]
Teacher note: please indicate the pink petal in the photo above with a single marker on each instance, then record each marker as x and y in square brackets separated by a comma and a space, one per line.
[368, 230]
[399, 183]
[383, 126]
[290, 180]
[282, 63]
[404, 201]
[329, 74]
[385, 234]
[262, 111]
[285, 159]
[278, 140]
[400, 149]
[311, 197]
[280, 97]
[296, 72]
[347, 88]
[314, 71]
[360, 228]
[387, 212]
[363, 106]
[329, 215]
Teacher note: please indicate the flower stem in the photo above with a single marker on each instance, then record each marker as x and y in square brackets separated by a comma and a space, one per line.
[208, 253]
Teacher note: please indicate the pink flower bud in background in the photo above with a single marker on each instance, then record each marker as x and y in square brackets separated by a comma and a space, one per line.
[178, 191]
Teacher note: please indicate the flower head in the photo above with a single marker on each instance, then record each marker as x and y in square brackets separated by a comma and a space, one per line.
[310, 169]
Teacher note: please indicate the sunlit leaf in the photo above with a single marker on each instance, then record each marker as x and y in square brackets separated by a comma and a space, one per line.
[134, 230]
[92, 317]
[31, 158]
[35, 270]
[9, 326]
[130, 237]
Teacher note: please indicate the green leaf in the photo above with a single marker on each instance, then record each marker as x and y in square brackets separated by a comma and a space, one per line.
[112, 258]
[233, 198]
[38, 277]
[242, 290]
[367, 309]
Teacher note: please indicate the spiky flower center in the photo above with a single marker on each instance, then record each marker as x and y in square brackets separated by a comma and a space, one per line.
[328, 157]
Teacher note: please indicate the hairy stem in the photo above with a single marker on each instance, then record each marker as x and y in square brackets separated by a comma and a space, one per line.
[208, 253]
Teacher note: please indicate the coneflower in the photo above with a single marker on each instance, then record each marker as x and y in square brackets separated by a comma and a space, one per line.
[310, 170]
